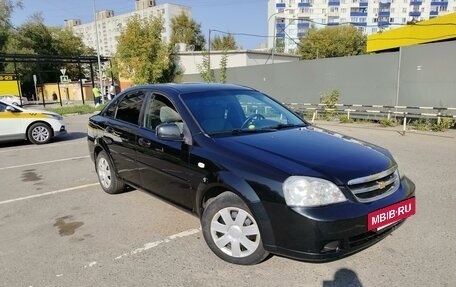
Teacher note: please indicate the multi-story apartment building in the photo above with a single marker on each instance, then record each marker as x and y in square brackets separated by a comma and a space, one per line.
[110, 26]
[289, 20]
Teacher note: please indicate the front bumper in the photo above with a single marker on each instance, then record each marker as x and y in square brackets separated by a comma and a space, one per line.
[331, 232]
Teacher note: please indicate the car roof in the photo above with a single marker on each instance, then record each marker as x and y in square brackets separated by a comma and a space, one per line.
[183, 88]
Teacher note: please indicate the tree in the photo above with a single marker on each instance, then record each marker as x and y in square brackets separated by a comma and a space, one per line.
[141, 54]
[6, 9]
[35, 38]
[223, 67]
[280, 45]
[207, 74]
[225, 43]
[66, 43]
[185, 30]
[334, 41]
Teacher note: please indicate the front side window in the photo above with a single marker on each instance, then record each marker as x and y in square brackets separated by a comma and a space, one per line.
[129, 107]
[238, 111]
[160, 110]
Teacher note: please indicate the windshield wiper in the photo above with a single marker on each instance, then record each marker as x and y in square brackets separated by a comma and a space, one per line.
[284, 126]
[252, 131]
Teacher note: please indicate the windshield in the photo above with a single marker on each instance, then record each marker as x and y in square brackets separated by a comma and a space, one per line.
[238, 112]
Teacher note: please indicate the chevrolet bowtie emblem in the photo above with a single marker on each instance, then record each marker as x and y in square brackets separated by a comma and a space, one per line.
[381, 185]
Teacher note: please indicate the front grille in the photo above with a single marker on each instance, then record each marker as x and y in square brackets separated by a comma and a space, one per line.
[376, 186]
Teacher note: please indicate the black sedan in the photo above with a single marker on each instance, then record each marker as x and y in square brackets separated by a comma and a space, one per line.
[261, 179]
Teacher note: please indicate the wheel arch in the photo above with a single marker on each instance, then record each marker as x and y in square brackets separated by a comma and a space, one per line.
[99, 147]
[228, 182]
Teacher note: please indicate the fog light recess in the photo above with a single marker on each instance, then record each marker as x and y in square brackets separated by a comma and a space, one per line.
[332, 246]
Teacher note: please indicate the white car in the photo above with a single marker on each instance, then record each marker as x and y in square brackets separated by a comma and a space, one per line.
[37, 126]
[14, 100]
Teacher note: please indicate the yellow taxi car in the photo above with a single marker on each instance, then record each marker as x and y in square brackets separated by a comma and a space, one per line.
[37, 126]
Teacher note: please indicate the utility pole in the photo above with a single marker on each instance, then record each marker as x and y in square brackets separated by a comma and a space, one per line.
[209, 51]
[98, 52]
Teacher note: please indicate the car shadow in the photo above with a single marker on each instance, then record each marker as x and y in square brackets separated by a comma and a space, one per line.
[70, 136]
[15, 143]
[343, 277]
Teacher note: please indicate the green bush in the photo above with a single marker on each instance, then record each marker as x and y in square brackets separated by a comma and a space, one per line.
[330, 100]
[444, 125]
[308, 115]
[387, 123]
[421, 124]
[433, 124]
[345, 119]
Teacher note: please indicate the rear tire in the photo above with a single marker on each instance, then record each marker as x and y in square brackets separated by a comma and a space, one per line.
[39, 133]
[107, 175]
[231, 231]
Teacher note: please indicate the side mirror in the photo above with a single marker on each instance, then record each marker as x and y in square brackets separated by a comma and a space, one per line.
[10, 109]
[169, 132]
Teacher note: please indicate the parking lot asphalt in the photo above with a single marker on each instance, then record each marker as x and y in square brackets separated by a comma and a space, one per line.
[58, 228]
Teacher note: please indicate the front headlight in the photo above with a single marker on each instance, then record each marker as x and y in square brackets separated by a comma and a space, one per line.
[304, 191]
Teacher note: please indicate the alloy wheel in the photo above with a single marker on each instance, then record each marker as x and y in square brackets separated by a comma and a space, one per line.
[104, 172]
[40, 134]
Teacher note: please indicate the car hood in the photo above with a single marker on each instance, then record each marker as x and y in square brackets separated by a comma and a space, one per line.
[311, 151]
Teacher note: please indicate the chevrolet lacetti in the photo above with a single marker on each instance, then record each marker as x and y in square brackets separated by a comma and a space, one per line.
[261, 180]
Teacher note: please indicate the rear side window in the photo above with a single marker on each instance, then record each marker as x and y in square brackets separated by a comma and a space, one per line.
[129, 107]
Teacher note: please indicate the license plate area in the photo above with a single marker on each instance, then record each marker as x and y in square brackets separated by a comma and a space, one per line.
[384, 217]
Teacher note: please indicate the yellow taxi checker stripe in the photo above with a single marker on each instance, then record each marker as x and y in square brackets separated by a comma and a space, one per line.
[23, 116]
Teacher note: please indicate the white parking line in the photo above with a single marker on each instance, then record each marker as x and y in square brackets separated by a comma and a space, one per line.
[156, 243]
[44, 162]
[48, 193]
[51, 145]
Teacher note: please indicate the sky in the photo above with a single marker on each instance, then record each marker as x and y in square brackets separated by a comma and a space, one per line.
[233, 16]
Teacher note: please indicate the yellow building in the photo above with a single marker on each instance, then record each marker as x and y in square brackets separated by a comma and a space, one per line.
[68, 92]
[442, 28]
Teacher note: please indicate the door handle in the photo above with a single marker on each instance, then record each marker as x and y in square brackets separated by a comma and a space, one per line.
[143, 142]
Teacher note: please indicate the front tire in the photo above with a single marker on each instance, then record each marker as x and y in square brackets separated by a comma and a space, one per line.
[107, 175]
[231, 231]
[39, 133]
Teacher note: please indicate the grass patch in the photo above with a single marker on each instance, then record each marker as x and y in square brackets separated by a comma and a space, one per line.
[444, 125]
[387, 123]
[83, 109]
[308, 115]
[433, 125]
[345, 119]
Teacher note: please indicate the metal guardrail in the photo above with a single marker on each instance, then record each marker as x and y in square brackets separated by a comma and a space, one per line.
[378, 111]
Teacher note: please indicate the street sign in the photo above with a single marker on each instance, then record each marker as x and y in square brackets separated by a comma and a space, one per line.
[64, 79]
[8, 77]
[63, 71]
